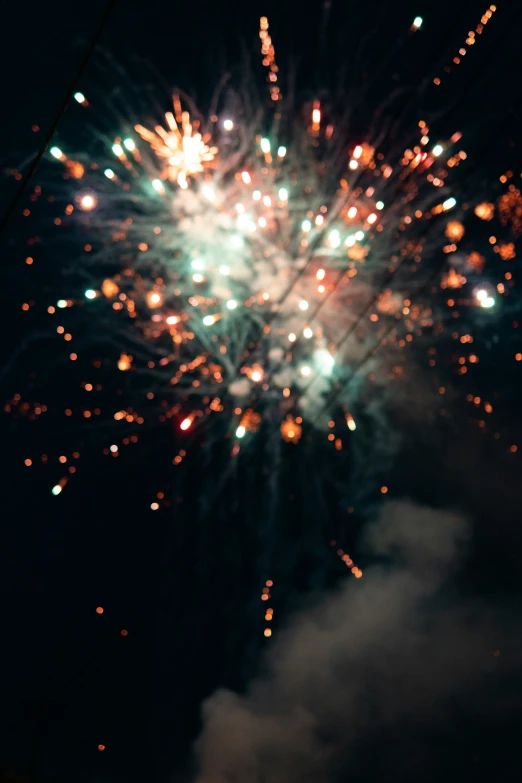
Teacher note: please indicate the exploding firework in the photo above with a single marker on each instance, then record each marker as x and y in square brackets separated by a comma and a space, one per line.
[256, 273]
[262, 266]
[260, 280]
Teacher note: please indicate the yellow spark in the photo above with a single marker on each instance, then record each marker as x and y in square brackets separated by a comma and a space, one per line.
[183, 152]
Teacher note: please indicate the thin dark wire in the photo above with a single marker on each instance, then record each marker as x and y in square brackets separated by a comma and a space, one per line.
[63, 108]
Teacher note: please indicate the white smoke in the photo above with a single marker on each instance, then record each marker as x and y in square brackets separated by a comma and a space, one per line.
[380, 654]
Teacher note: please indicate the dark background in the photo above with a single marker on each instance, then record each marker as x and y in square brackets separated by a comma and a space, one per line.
[183, 588]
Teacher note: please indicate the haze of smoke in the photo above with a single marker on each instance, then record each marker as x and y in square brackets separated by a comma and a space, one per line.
[381, 657]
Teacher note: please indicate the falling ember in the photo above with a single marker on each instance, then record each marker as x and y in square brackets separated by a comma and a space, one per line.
[454, 231]
[485, 211]
[255, 373]
[124, 362]
[109, 288]
[250, 421]
[74, 169]
[154, 299]
[453, 279]
[291, 430]
[476, 261]
[510, 210]
[350, 422]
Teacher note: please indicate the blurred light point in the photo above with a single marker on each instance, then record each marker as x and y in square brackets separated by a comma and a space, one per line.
[281, 152]
[157, 184]
[61, 303]
[417, 22]
[334, 238]
[109, 173]
[438, 149]
[56, 152]
[208, 320]
[283, 194]
[449, 203]
[87, 202]
[308, 333]
[228, 125]
[90, 294]
[129, 145]
[231, 304]
[118, 150]
[80, 97]
[265, 146]
[56, 489]
[240, 432]
[185, 424]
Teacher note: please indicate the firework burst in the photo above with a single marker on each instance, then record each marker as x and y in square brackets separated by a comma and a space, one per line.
[262, 266]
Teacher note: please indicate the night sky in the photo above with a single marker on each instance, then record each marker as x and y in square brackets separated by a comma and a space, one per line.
[184, 583]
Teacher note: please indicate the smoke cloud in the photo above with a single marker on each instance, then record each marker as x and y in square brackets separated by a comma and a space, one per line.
[366, 682]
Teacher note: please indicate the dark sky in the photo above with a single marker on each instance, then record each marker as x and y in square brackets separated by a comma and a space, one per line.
[186, 590]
